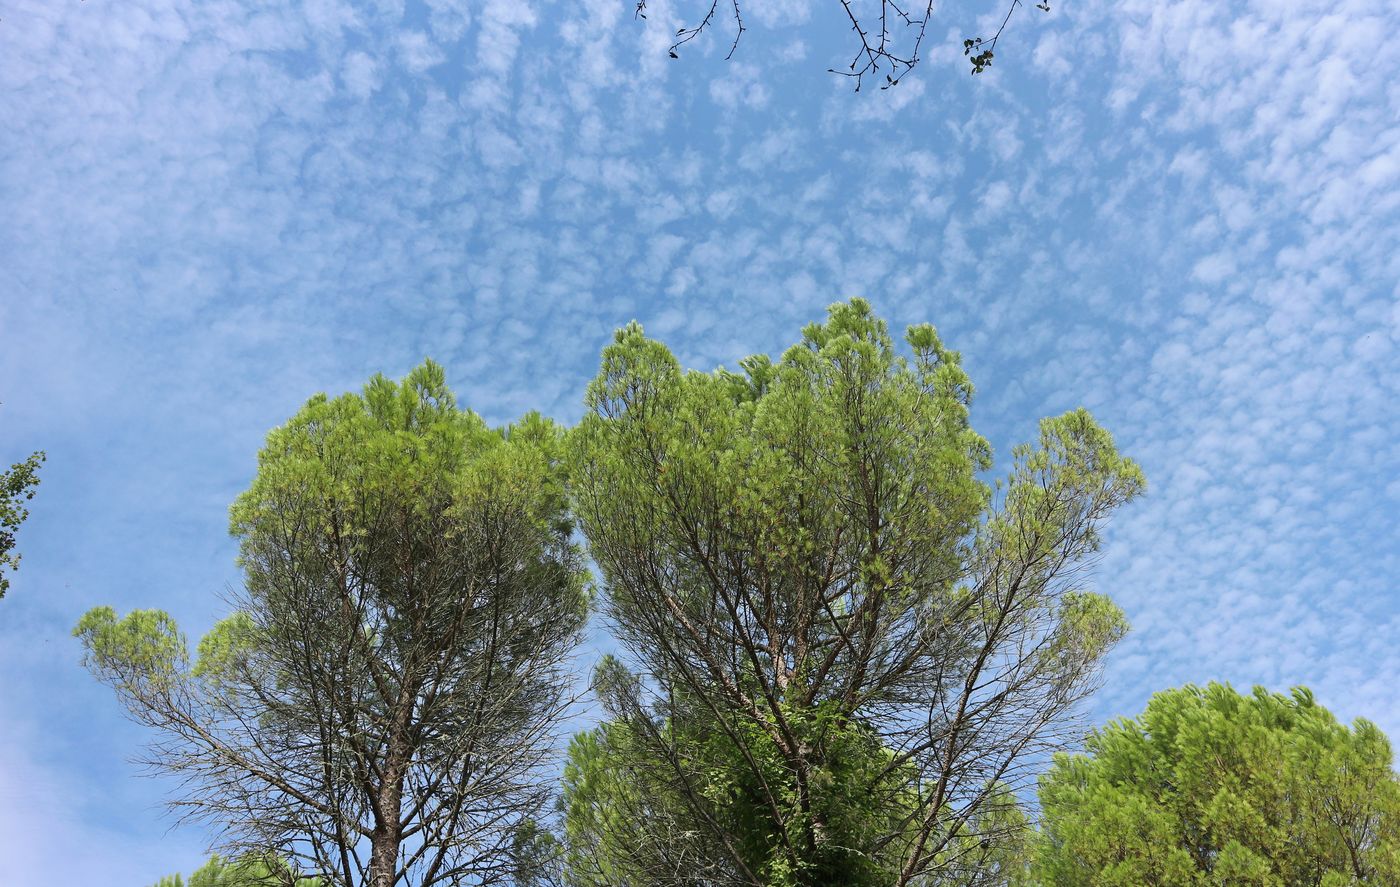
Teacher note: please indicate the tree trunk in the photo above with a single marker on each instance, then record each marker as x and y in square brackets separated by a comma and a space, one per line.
[383, 857]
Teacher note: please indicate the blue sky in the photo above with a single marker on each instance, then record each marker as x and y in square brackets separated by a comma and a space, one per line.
[1182, 214]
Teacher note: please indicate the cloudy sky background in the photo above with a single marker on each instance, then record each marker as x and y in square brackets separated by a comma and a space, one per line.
[1182, 214]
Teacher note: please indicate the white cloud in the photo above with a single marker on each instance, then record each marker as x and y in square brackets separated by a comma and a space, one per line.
[419, 52]
[360, 74]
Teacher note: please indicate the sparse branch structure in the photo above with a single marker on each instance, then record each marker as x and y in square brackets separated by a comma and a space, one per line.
[846, 651]
[380, 706]
[888, 35]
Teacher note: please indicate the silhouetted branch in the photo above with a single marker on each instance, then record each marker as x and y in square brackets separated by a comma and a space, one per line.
[890, 49]
[982, 60]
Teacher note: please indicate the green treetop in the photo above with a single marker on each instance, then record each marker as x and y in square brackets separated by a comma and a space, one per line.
[379, 707]
[1212, 788]
[848, 647]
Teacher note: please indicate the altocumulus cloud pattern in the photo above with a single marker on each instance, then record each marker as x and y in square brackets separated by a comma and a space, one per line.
[1182, 214]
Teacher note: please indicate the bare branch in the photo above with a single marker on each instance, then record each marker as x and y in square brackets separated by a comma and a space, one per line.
[886, 51]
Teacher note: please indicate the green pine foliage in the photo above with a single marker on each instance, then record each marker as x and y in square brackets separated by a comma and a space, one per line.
[1212, 787]
[842, 643]
[846, 652]
[399, 651]
[17, 487]
[246, 872]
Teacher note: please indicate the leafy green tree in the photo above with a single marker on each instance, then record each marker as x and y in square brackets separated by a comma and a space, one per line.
[536, 856]
[250, 871]
[17, 486]
[379, 706]
[625, 821]
[1212, 787]
[848, 649]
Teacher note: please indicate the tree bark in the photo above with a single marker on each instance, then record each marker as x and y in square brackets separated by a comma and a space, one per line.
[384, 857]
